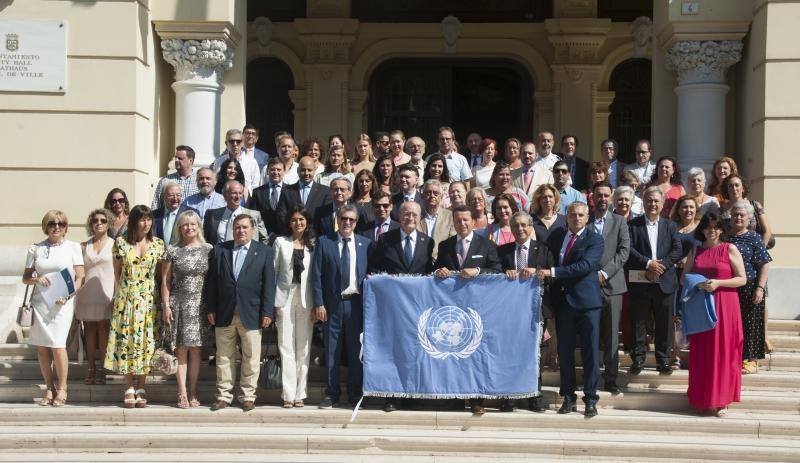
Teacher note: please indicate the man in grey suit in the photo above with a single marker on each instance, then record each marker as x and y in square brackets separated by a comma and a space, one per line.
[218, 223]
[436, 222]
[617, 243]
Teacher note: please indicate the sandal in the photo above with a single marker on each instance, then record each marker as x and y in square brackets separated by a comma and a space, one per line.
[287, 404]
[130, 399]
[193, 402]
[749, 367]
[183, 402]
[100, 376]
[60, 400]
[47, 400]
[299, 404]
[141, 398]
[90, 376]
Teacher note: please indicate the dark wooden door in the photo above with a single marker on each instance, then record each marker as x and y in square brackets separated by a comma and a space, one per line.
[268, 105]
[629, 120]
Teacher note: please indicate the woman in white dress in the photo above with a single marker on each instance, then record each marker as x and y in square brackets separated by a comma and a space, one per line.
[93, 302]
[482, 174]
[51, 323]
[293, 306]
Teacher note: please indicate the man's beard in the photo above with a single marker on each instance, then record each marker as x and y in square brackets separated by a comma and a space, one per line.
[206, 190]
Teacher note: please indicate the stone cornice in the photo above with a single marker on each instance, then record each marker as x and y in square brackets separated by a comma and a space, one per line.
[577, 40]
[694, 30]
[327, 40]
[707, 61]
[199, 30]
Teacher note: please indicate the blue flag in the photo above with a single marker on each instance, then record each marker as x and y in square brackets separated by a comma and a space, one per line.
[426, 337]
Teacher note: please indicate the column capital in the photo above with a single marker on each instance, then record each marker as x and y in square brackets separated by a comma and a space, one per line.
[703, 61]
[198, 59]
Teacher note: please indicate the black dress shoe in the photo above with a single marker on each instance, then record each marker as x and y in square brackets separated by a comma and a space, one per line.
[612, 388]
[389, 406]
[219, 405]
[635, 369]
[536, 404]
[507, 405]
[590, 410]
[327, 402]
[248, 405]
[664, 369]
[567, 407]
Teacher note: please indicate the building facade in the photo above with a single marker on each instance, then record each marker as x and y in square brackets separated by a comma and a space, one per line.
[699, 78]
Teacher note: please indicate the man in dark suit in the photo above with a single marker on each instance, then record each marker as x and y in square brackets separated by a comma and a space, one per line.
[578, 168]
[337, 274]
[466, 254]
[521, 259]
[575, 292]
[240, 295]
[166, 217]
[655, 249]
[382, 205]
[403, 251]
[265, 198]
[325, 216]
[616, 246]
[306, 193]
[218, 223]
[409, 177]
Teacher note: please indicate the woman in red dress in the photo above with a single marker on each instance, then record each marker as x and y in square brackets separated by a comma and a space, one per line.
[715, 356]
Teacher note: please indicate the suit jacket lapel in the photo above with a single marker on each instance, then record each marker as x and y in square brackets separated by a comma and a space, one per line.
[227, 256]
[419, 249]
[398, 246]
[361, 256]
[579, 242]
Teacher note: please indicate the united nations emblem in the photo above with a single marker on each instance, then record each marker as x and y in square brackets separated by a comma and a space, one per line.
[449, 331]
[12, 42]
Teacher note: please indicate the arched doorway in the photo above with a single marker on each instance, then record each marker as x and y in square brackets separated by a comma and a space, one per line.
[492, 97]
[630, 111]
[268, 105]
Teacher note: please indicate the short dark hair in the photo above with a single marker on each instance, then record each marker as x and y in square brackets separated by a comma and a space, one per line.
[603, 183]
[251, 126]
[249, 217]
[407, 168]
[380, 194]
[462, 208]
[273, 161]
[574, 137]
[560, 162]
[188, 149]
[612, 141]
[710, 219]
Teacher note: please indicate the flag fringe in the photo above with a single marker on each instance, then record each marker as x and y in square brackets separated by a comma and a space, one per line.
[415, 395]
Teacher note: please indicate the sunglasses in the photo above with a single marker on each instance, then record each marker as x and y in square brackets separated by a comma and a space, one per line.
[118, 201]
[383, 206]
[99, 220]
[54, 224]
[235, 141]
[347, 219]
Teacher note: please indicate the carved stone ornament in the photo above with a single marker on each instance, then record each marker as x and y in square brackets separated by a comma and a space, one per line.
[642, 35]
[263, 27]
[698, 62]
[334, 49]
[451, 30]
[193, 59]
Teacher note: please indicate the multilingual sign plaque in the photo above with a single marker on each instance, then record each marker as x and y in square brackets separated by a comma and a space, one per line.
[33, 56]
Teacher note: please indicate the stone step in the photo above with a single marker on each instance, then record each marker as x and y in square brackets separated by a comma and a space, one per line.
[29, 370]
[256, 440]
[784, 326]
[782, 361]
[785, 342]
[634, 397]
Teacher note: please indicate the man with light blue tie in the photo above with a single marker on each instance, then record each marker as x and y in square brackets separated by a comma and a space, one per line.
[306, 193]
[165, 217]
[240, 296]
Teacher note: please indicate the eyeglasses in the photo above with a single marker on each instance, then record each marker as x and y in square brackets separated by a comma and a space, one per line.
[118, 201]
[235, 141]
[383, 142]
[347, 219]
[54, 224]
[445, 138]
[642, 152]
[340, 189]
[560, 171]
[608, 148]
[99, 220]
[383, 206]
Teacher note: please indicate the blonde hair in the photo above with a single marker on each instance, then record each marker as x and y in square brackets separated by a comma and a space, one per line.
[184, 217]
[54, 214]
[370, 154]
[537, 195]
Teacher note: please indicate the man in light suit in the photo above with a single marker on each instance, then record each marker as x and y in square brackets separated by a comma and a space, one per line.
[437, 222]
[218, 223]
[575, 293]
[655, 249]
[616, 246]
[306, 193]
[337, 273]
[165, 217]
[467, 254]
[403, 251]
[382, 205]
[265, 198]
[532, 174]
[240, 295]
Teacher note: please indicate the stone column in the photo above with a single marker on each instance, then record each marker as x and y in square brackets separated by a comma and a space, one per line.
[701, 90]
[199, 66]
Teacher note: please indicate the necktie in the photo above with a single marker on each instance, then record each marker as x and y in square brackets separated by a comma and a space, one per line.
[408, 252]
[569, 247]
[168, 227]
[522, 257]
[238, 260]
[345, 263]
[379, 232]
[273, 197]
[335, 223]
[462, 256]
[528, 178]
[304, 193]
[229, 227]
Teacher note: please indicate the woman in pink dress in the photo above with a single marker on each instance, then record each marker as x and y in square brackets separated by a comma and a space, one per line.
[715, 356]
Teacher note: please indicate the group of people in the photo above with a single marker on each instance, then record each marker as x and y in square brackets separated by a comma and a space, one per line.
[225, 250]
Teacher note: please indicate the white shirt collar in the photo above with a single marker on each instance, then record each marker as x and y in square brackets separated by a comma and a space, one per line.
[341, 238]
[526, 244]
[413, 235]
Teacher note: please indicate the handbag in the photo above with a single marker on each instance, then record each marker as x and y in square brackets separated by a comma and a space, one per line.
[163, 362]
[25, 312]
[271, 371]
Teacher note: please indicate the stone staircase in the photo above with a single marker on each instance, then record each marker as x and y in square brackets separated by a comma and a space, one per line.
[649, 421]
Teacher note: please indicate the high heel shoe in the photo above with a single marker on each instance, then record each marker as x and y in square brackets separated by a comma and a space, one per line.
[47, 400]
[90, 376]
[130, 398]
[60, 399]
[183, 402]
